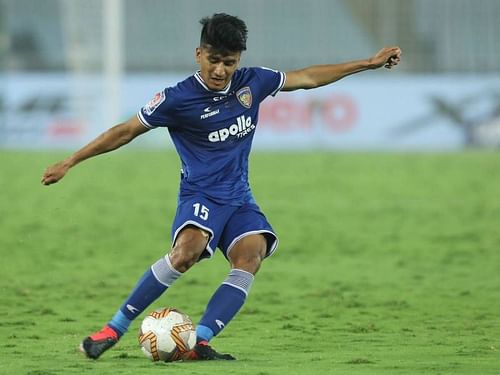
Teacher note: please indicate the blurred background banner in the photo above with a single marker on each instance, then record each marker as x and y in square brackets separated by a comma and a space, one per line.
[382, 112]
[72, 68]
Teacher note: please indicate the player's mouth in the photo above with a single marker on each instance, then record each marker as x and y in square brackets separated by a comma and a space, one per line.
[218, 82]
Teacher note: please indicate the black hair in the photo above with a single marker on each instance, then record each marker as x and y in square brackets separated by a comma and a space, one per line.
[224, 33]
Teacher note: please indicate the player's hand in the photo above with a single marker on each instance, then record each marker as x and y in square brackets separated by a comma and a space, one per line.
[54, 173]
[386, 57]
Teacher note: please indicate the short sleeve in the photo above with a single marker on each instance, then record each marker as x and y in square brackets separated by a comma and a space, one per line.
[271, 81]
[156, 113]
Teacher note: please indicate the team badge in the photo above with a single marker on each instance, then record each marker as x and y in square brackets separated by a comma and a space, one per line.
[154, 103]
[244, 96]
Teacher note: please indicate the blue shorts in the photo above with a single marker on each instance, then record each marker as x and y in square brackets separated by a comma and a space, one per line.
[224, 224]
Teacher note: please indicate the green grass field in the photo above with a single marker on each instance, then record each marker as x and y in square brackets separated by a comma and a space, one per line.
[388, 264]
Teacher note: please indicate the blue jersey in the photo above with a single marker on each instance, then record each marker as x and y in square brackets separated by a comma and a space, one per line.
[213, 130]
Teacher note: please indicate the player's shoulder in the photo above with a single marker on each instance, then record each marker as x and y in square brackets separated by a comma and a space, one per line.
[256, 74]
[257, 70]
[183, 87]
[180, 92]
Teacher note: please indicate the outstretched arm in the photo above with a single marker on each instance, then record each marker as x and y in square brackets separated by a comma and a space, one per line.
[110, 140]
[321, 75]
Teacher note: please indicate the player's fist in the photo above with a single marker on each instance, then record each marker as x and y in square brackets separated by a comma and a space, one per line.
[386, 57]
[54, 173]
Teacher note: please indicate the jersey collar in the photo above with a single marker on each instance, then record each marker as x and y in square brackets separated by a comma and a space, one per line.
[200, 80]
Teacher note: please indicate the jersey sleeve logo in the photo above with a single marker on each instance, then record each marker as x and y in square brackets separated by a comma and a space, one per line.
[154, 103]
[244, 96]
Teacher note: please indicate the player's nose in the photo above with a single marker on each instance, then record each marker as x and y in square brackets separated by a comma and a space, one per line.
[219, 70]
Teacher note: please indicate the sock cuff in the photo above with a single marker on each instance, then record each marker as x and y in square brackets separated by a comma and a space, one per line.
[169, 264]
[240, 279]
[203, 333]
[164, 272]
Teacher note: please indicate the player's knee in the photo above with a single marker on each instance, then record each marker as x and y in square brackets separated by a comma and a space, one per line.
[188, 247]
[249, 253]
[247, 263]
[183, 257]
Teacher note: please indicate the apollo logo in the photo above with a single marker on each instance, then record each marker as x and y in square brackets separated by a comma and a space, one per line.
[242, 128]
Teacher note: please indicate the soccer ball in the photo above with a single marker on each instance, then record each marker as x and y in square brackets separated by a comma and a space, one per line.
[166, 334]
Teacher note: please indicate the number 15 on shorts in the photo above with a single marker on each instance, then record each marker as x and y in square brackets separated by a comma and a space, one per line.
[201, 211]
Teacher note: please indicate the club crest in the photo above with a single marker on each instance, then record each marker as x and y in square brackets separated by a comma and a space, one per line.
[244, 96]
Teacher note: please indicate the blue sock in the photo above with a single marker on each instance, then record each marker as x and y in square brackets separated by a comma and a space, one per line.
[224, 304]
[119, 323]
[151, 286]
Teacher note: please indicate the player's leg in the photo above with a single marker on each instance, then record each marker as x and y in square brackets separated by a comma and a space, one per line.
[247, 239]
[189, 245]
[245, 260]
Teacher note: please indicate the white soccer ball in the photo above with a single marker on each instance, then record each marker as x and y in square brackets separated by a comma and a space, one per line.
[166, 334]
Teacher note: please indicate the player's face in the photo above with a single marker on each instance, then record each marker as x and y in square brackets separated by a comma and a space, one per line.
[216, 69]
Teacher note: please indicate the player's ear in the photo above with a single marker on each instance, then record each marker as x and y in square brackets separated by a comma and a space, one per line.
[198, 54]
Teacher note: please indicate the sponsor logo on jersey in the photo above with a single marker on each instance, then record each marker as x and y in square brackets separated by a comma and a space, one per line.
[242, 128]
[244, 96]
[154, 103]
[209, 113]
[222, 97]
